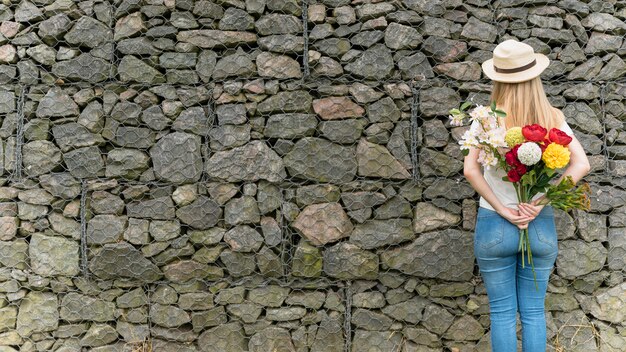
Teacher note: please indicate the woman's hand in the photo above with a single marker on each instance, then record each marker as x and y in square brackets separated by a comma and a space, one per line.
[514, 217]
[530, 210]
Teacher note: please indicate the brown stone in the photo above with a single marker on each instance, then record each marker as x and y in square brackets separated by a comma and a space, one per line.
[333, 108]
[323, 223]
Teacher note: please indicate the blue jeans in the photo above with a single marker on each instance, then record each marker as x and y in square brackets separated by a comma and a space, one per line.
[510, 287]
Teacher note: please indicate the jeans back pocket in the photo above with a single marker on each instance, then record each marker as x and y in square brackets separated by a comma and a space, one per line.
[489, 230]
[545, 228]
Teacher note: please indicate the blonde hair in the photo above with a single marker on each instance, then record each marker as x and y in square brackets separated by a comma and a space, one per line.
[526, 103]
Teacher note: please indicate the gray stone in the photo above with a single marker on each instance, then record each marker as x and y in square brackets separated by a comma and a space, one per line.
[8, 317]
[14, 254]
[134, 333]
[317, 159]
[282, 43]
[409, 311]
[86, 67]
[437, 101]
[238, 264]
[106, 263]
[383, 340]
[370, 320]
[38, 313]
[466, 328]
[134, 137]
[250, 162]
[243, 238]
[55, 104]
[61, 185]
[276, 23]
[168, 316]
[50, 256]
[602, 43]
[127, 163]
[580, 258]
[133, 299]
[132, 69]
[177, 157]
[26, 12]
[202, 213]
[105, 228]
[89, 32]
[378, 233]
[76, 307]
[307, 260]
[363, 67]
[238, 64]
[229, 136]
[347, 261]
[375, 160]
[436, 319]
[575, 330]
[429, 217]
[436, 163]
[99, 335]
[125, 112]
[398, 36]
[269, 296]
[159, 208]
[235, 19]
[271, 339]
[445, 255]
[225, 337]
[617, 249]
[164, 230]
[282, 102]
[208, 318]
[137, 46]
[192, 120]
[84, 162]
[290, 126]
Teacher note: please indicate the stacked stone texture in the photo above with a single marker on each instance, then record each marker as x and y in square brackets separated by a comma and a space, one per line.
[280, 175]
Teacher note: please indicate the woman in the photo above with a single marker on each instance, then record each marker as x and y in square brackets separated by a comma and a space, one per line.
[518, 90]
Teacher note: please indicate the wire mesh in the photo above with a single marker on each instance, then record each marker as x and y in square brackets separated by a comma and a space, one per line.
[198, 175]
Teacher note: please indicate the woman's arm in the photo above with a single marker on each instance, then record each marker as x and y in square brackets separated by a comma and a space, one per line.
[473, 173]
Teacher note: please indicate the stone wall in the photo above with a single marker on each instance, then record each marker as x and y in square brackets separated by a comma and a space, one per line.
[262, 175]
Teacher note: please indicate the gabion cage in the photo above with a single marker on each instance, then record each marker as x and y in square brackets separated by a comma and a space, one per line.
[281, 175]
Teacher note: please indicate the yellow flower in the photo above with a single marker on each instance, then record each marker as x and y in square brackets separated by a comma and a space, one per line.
[514, 136]
[556, 156]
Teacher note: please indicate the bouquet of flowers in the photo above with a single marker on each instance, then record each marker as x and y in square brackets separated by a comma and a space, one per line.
[530, 155]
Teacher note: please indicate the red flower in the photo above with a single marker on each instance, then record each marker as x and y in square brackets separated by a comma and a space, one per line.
[521, 169]
[511, 156]
[559, 137]
[513, 175]
[544, 144]
[534, 132]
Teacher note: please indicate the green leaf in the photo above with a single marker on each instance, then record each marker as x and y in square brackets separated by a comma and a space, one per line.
[500, 113]
[505, 178]
[466, 105]
[465, 151]
[493, 105]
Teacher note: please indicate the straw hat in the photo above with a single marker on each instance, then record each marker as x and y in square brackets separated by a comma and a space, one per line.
[514, 62]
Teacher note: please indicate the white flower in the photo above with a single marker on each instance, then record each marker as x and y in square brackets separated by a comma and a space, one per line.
[481, 113]
[486, 159]
[495, 137]
[529, 153]
[456, 119]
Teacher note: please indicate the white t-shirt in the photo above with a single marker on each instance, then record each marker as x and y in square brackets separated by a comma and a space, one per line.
[504, 190]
